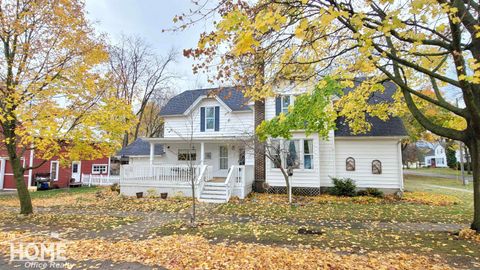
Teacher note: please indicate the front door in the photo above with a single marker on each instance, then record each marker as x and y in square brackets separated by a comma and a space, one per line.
[2, 172]
[76, 170]
[433, 163]
[223, 160]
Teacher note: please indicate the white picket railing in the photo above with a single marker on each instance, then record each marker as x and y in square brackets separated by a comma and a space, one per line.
[235, 178]
[164, 175]
[204, 176]
[100, 180]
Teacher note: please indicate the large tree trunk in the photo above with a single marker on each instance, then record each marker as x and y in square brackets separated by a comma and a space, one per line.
[474, 147]
[22, 190]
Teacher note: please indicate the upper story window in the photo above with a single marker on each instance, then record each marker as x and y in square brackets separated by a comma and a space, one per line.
[210, 118]
[282, 103]
[285, 103]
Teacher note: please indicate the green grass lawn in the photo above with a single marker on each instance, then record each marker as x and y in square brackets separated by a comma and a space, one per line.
[422, 183]
[446, 171]
[55, 192]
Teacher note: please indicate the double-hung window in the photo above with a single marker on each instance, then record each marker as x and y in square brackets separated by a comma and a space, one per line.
[292, 157]
[308, 154]
[223, 157]
[297, 154]
[275, 153]
[209, 118]
[54, 168]
[286, 100]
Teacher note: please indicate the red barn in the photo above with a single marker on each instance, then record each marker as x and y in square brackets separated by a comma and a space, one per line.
[60, 175]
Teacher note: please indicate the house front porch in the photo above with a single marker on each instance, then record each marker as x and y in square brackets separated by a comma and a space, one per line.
[218, 169]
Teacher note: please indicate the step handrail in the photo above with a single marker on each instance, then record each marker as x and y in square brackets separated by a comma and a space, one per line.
[200, 181]
[229, 183]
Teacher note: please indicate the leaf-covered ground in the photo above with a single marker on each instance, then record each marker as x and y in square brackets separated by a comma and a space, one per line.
[421, 231]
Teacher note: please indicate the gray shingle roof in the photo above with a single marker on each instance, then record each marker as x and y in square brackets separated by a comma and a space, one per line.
[392, 127]
[231, 96]
[140, 148]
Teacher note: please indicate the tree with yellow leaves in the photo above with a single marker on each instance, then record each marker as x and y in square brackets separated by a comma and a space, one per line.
[417, 44]
[54, 96]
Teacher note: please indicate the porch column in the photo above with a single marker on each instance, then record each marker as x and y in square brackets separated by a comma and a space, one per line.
[202, 152]
[152, 153]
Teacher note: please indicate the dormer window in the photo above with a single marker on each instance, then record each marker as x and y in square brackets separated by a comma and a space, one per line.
[210, 118]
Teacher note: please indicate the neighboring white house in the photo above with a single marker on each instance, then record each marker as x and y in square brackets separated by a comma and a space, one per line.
[206, 136]
[437, 157]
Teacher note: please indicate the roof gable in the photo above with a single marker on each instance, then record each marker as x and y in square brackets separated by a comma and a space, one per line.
[232, 97]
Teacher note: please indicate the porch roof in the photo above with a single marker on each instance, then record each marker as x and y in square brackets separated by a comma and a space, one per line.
[216, 139]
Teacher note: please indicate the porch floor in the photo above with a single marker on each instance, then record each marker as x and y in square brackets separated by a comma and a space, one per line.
[217, 179]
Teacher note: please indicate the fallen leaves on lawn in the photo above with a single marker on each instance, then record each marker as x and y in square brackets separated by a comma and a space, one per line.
[435, 208]
[98, 222]
[469, 234]
[105, 199]
[195, 252]
[430, 198]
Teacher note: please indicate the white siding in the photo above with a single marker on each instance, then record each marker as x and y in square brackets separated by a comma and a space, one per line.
[364, 151]
[269, 108]
[301, 177]
[327, 159]
[231, 123]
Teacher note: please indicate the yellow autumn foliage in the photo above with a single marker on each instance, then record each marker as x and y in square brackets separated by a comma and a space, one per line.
[469, 234]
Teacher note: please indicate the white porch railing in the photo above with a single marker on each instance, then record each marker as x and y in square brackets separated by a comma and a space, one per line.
[237, 179]
[100, 180]
[205, 175]
[164, 175]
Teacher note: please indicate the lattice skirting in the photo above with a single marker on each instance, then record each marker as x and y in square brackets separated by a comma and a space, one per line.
[302, 191]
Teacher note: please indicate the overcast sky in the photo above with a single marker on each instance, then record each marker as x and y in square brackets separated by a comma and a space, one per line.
[146, 19]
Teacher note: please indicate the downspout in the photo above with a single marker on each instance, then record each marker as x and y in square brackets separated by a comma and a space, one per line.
[400, 164]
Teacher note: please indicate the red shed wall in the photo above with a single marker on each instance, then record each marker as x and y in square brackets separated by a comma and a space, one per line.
[64, 175]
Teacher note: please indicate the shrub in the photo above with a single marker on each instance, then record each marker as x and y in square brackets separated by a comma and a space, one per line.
[343, 187]
[451, 158]
[371, 192]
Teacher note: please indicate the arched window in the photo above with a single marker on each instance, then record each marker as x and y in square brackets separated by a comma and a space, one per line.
[376, 167]
[350, 164]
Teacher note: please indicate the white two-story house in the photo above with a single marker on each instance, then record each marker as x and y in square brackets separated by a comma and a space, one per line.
[436, 157]
[208, 141]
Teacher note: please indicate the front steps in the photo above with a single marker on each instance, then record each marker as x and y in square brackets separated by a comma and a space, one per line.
[214, 192]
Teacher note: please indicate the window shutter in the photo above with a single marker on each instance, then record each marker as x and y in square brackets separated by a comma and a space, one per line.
[217, 118]
[278, 105]
[202, 119]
